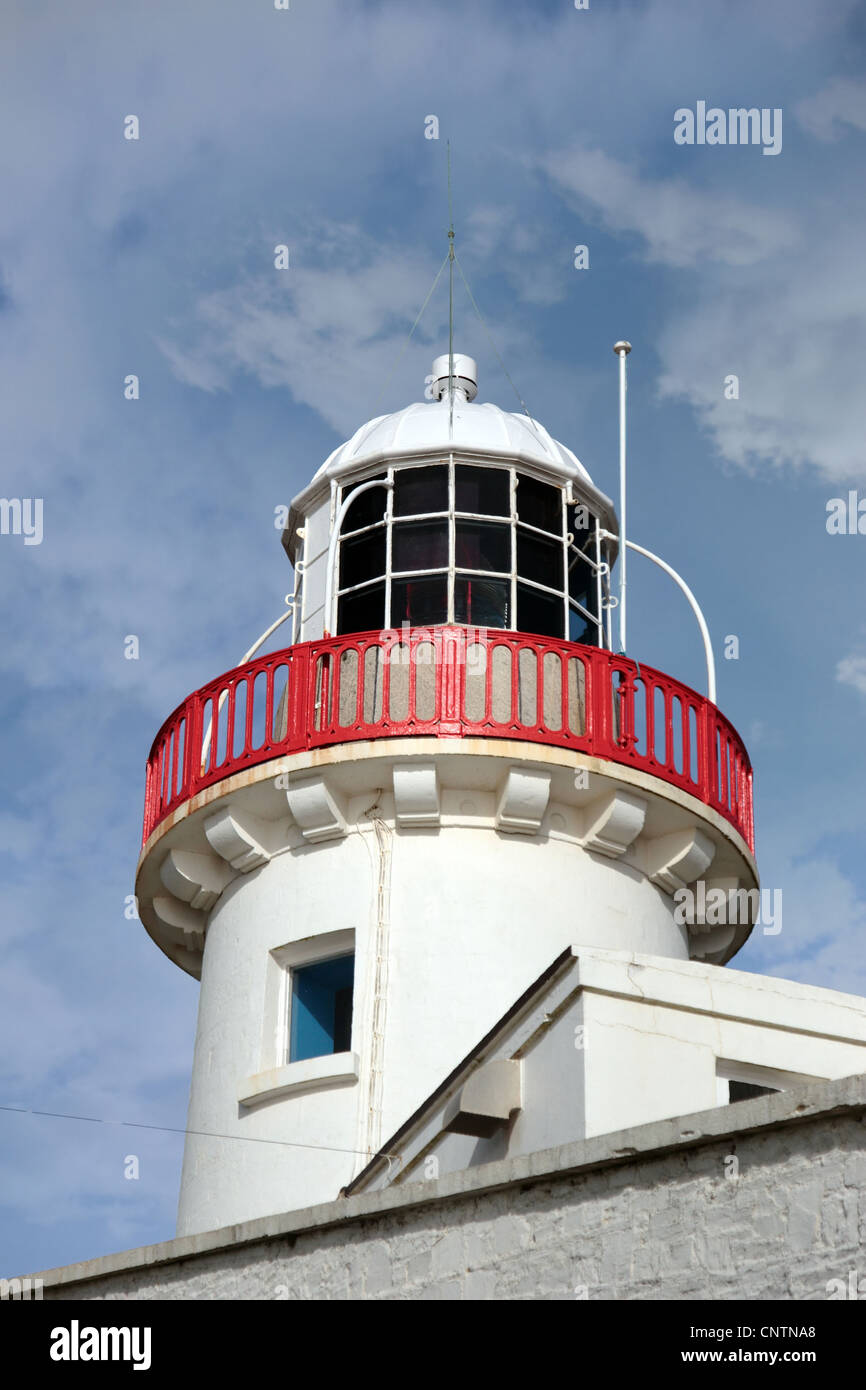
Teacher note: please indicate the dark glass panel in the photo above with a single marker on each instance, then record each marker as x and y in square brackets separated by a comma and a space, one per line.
[539, 505]
[747, 1090]
[420, 490]
[482, 490]
[419, 545]
[581, 583]
[419, 602]
[483, 545]
[362, 611]
[539, 559]
[481, 602]
[362, 558]
[343, 1019]
[538, 612]
[581, 523]
[365, 510]
[580, 629]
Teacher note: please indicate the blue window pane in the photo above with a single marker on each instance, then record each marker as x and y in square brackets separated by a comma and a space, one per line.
[321, 1021]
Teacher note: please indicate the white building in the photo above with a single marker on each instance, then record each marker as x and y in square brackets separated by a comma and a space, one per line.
[424, 859]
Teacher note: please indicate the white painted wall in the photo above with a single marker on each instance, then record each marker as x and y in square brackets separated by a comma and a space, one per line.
[475, 917]
[318, 529]
[613, 1040]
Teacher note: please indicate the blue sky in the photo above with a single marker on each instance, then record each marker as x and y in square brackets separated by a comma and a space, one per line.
[155, 257]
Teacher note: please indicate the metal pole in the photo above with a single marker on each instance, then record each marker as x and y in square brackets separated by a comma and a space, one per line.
[622, 349]
[332, 545]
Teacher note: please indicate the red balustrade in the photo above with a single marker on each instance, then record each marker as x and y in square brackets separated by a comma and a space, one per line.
[447, 682]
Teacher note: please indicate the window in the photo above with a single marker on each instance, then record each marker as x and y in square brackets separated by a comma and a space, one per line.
[366, 510]
[361, 610]
[420, 602]
[320, 1019]
[482, 545]
[419, 491]
[539, 612]
[419, 545]
[540, 558]
[309, 1002]
[482, 491]
[747, 1090]
[482, 602]
[363, 557]
[738, 1081]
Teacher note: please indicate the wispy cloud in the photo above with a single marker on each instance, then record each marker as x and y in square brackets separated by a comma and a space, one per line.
[841, 104]
[330, 328]
[679, 225]
[852, 671]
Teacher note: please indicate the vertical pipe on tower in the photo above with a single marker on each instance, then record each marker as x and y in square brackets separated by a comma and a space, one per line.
[622, 349]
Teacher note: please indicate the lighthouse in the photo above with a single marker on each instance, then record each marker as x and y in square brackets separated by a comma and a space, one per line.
[368, 844]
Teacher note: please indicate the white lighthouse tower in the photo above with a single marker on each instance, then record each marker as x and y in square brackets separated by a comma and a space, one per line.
[369, 843]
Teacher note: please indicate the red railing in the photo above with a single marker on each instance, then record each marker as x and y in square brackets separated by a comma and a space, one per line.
[447, 682]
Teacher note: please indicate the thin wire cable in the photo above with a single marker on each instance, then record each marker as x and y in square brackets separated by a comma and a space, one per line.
[204, 1133]
[495, 348]
[401, 354]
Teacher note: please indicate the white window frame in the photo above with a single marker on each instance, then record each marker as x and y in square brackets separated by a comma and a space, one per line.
[572, 554]
[278, 1076]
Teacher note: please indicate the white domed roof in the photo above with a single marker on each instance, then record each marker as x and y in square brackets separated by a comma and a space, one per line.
[481, 429]
[429, 431]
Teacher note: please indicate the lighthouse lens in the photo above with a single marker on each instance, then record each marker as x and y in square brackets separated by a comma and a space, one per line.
[481, 602]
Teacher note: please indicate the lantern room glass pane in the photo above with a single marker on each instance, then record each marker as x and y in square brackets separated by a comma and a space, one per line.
[363, 610]
[481, 602]
[419, 602]
[362, 557]
[540, 559]
[366, 509]
[485, 491]
[483, 545]
[539, 504]
[582, 584]
[581, 523]
[580, 629]
[539, 612]
[420, 490]
[419, 545]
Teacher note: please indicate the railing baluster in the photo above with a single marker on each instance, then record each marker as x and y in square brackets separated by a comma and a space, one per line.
[248, 727]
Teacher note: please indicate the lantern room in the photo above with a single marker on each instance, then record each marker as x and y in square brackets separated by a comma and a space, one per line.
[452, 513]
